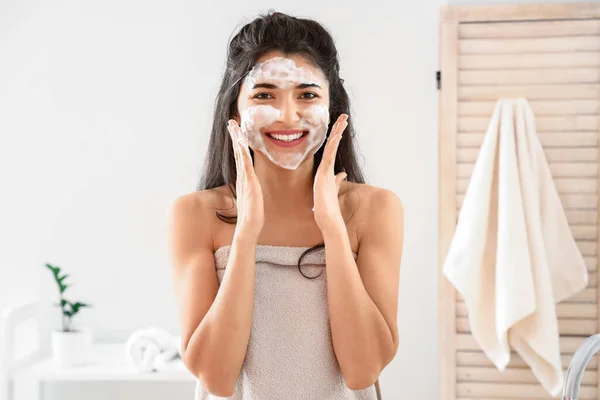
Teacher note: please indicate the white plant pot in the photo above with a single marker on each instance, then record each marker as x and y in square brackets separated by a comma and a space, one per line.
[71, 348]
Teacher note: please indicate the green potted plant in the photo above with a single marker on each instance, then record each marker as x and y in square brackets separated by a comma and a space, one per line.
[69, 346]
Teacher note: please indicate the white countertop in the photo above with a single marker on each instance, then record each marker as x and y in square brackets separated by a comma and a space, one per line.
[107, 362]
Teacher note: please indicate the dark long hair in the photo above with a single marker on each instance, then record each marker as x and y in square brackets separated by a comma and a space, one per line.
[276, 31]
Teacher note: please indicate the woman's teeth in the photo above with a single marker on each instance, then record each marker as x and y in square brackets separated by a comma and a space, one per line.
[287, 138]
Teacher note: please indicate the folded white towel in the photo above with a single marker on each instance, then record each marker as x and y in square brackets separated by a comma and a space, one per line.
[152, 349]
[513, 255]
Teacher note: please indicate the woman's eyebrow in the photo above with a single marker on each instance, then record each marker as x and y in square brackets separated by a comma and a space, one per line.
[271, 86]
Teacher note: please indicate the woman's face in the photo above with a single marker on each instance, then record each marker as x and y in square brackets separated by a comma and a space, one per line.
[284, 108]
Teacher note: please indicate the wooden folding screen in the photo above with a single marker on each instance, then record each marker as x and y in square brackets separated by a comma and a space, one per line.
[549, 54]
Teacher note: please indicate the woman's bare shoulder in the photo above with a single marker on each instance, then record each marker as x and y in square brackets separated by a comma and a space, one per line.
[371, 198]
[372, 190]
[218, 197]
[367, 193]
[202, 206]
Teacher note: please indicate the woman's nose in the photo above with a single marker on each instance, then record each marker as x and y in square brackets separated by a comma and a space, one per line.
[289, 113]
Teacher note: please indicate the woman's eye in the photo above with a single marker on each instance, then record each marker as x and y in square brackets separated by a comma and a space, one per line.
[258, 96]
[305, 96]
[313, 95]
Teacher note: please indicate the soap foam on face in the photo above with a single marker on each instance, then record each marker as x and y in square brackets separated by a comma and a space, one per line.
[284, 73]
[280, 71]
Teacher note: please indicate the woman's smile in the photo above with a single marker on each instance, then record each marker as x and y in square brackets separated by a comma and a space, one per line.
[286, 137]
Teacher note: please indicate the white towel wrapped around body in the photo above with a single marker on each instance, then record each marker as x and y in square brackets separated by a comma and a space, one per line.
[513, 255]
[152, 349]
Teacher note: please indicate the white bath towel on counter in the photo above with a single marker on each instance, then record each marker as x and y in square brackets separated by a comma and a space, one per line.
[513, 255]
[153, 349]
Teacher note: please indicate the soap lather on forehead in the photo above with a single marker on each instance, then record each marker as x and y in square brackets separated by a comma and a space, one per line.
[280, 71]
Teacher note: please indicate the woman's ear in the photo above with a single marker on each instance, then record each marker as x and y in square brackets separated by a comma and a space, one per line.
[237, 119]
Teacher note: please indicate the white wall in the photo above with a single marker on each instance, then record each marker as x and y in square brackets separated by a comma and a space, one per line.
[105, 112]
[491, 2]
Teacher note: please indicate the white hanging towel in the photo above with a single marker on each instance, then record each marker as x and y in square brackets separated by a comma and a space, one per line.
[513, 255]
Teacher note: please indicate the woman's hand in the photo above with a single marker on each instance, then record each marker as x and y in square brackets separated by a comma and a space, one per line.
[327, 185]
[250, 204]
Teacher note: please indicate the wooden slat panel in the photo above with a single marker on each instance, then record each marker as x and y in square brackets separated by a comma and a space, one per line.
[556, 66]
[563, 309]
[596, 258]
[520, 398]
[502, 13]
[569, 201]
[511, 375]
[515, 390]
[583, 232]
[591, 263]
[566, 326]
[579, 327]
[469, 155]
[568, 344]
[531, 92]
[479, 359]
[538, 60]
[559, 170]
[588, 295]
[579, 217]
[583, 201]
[577, 310]
[533, 45]
[576, 185]
[536, 76]
[588, 249]
[563, 139]
[548, 124]
[529, 29]
[563, 185]
[447, 212]
[539, 107]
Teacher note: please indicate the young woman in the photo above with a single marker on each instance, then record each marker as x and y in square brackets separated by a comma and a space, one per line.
[265, 313]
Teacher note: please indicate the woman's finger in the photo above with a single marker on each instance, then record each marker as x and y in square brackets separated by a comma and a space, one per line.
[233, 137]
[327, 148]
[335, 129]
[239, 174]
[245, 155]
[333, 144]
[239, 165]
[238, 147]
[333, 152]
[242, 154]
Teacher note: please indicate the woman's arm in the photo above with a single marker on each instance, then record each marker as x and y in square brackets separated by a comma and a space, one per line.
[215, 321]
[363, 295]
